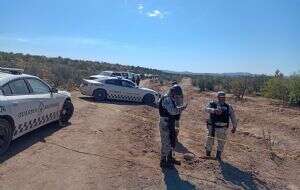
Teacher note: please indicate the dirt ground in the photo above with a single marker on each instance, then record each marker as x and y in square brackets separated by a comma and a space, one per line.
[116, 145]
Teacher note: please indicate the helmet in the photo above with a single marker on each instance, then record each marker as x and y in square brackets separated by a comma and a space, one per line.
[221, 94]
[176, 90]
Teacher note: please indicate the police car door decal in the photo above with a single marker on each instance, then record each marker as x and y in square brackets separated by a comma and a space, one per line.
[23, 110]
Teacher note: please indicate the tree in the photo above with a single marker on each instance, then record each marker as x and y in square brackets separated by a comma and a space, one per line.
[294, 89]
[240, 86]
[276, 88]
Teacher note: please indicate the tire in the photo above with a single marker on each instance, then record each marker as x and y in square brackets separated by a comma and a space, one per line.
[66, 112]
[100, 95]
[149, 99]
[6, 133]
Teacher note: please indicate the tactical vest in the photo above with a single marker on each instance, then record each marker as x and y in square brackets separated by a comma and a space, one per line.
[223, 118]
[164, 112]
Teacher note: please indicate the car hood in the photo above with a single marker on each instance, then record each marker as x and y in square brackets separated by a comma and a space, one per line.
[148, 89]
[65, 93]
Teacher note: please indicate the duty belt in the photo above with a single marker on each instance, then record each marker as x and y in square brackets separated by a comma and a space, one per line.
[221, 124]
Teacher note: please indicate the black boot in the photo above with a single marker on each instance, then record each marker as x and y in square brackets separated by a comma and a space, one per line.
[208, 153]
[218, 155]
[172, 160]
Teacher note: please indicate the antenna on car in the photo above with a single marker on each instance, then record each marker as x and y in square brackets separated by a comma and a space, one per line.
[13, 71]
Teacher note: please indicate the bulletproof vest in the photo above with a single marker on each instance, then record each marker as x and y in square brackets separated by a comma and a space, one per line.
[164, 112]
[224, 117]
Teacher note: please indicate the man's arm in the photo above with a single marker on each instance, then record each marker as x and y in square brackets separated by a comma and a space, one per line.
[173, 110]
[209, 109]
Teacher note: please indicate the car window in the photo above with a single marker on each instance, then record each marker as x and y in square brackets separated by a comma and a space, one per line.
[115, 82]
[38, 87]
[127, 84]
[19, 87]
[6, 90]
[92, 78]
[116, 75]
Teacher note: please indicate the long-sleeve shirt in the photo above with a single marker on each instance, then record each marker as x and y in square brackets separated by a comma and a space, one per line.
[168, 104]
[232, 116]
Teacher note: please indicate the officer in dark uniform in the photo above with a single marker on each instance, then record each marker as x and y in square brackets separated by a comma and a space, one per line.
[220, 113]
[168, 110]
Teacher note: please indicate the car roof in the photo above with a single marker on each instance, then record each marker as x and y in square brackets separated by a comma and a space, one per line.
[103, 77]
[6, 77]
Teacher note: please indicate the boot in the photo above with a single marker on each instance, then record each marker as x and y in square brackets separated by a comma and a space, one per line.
[208, 153]
[218, 155]
[172, 160]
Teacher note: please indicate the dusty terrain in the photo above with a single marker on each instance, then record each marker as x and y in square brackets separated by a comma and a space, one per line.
[116, 145]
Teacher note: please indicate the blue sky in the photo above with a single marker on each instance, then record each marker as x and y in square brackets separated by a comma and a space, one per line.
[257, 36]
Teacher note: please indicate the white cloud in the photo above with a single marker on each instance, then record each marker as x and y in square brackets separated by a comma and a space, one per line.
[140, 8]
[156, 13]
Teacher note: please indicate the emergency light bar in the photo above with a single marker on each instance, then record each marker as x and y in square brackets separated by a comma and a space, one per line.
[13, 71]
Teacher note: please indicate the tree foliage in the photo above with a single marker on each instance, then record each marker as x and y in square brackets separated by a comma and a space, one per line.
[65, 72]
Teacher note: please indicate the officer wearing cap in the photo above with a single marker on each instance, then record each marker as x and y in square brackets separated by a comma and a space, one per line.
[220, 114]
[168, 110]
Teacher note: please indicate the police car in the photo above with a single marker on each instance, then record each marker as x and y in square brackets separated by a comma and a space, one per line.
[117, 88]
[27, 103]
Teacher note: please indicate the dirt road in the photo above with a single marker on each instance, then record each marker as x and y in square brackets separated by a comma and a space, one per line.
[116, 145]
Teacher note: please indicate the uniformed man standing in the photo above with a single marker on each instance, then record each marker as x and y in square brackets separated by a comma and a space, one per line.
[138, 80]
[178, 102]
[220, 113]
[167, 111]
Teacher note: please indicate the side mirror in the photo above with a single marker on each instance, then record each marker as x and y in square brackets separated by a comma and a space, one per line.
[54, 90]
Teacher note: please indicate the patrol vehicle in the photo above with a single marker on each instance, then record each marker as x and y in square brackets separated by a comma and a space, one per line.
[27, 103]
[117, 88]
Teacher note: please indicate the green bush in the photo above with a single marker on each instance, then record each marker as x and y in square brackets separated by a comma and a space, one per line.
[277, 88]
[294, 89]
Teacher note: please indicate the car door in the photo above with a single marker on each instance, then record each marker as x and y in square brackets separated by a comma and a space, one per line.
[130, 91]
[21, 105]
[113, 88]
[49, 103]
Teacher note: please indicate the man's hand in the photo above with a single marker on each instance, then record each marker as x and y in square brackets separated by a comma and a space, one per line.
[233, 130]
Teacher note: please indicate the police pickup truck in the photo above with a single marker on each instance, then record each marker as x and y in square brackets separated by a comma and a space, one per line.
[116, 88]
[27, 103]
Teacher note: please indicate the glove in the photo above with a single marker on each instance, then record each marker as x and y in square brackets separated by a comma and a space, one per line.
[233, 130]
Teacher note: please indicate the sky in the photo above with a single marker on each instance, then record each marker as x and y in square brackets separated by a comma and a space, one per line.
[205, 36]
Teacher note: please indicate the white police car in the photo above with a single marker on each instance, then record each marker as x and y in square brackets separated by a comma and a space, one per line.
[114, 88]
[27, 103]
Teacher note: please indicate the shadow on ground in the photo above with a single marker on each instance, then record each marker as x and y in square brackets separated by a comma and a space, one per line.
[29, 139]
[180, 148]
[116, 102]
[173, 181]
[242, 179]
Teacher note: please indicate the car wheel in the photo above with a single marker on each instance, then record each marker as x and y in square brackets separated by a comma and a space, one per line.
[6, 133]
[149, 99]
[66, 112]
[100, 95]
